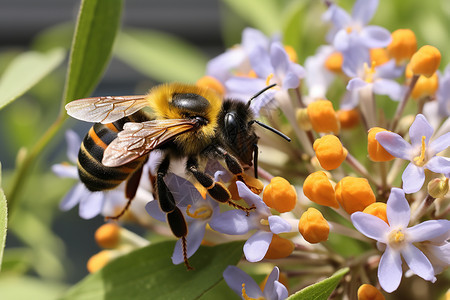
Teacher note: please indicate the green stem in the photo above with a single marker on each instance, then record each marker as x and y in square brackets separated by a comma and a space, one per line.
[402, 104]
[22, 172]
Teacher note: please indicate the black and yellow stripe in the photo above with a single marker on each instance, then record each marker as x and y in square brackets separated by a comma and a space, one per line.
[92, 172]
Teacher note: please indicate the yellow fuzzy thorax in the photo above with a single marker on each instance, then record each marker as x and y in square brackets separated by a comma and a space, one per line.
[193, 142]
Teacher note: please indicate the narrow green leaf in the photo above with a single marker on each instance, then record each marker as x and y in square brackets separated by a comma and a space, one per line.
[263, 15]
[148, 273]
[160, 56]
[3, 218]
[96, 29]
[25, 71]
[321, 290]
[27, 287]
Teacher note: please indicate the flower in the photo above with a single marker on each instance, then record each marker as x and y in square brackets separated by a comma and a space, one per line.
[317, 188]
[375, 150]
[421, 152]
[236, 222]
[425, 61]
[399, 240]
[403, 45]
[354, 194]
[329, 151]
[243, 285]
[313, 226]
[323, 117]
[443, 93]
[280, 195]
[369, 292]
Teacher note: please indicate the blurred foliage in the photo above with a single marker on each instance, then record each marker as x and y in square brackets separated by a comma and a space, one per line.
[33, 89]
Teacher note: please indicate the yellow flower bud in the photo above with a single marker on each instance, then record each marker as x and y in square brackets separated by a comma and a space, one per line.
[108, 235]
[379, 56]
[377, 209]
[279, 248]
[99, 260]
[438, 188]
[313, 226]
[354, 194]
[329, 152]
[301, 115]
[323, 117]
[374, 148]
[317, 188]
[369, 292]
[425, 61]
[212, 83]
[291, 53]
[403, 45]
[348, 118]
[334, 62]
[279, 194]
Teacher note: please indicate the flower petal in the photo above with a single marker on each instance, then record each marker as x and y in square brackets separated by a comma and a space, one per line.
[420, 127]
[338, 16]
[256, 246]
[363, 10]
[73, 145]
[388, 87]
[155, 211]
[439, 144]
[428, 230]
[390, 270]
[439, 164]
[260, 62]
[397, 210]
[413, 178]
[371, 226]
[91, 206]
[235, 277]
[279, 225]
[356, 83]
[375, 37]
[269, 287]
[233, 222]
[394, 144]
[65, 171]
[73, 197]
[418, 262]
[251, 198]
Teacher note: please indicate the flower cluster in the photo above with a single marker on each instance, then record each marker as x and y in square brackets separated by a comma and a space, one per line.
[317, 186]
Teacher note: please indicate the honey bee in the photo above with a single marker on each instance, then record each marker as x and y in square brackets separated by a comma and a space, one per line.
[184, 121]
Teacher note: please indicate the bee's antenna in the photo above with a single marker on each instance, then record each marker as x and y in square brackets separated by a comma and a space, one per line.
[270, 128]
[260, 92]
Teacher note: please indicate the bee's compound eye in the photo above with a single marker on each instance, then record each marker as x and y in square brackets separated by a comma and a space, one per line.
[231, 124]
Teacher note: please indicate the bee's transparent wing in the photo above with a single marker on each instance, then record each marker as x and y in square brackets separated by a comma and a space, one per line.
[105, 109]
[138, 139]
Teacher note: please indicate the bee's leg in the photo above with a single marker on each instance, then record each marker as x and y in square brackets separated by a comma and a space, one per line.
[130, 192]
[216, 190]
[175, 218]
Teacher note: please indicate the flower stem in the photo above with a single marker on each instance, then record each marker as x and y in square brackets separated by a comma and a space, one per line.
[421, 210]
[358, 167]
[402, 104]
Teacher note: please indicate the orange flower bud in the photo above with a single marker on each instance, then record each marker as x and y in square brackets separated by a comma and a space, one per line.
[279, 194]
[369, 292]
[403, 45]
[377, 209]
[354, 194]
[291, 53]
[425, 61]
[108, 235]
[425, 86]
[313, 226]
[348, 118]
[334, 62]
[374, 148]
[323, 116]
[329, 152]
[379, 56]
[317, 188]
[99, 260]
[212, 83]
[279, 248]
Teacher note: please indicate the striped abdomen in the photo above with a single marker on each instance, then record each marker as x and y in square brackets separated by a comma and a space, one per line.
[92, 172]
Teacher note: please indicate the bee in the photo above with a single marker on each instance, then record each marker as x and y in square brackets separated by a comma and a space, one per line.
[184, 121]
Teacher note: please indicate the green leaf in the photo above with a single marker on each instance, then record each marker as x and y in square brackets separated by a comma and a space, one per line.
[321, 290]
[25, 71]
[160, 56]
[3, 218]
[25, 288]
[96, 29]
[263, 15]
[148, 273]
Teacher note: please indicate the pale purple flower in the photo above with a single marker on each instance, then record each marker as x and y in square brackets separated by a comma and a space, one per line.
[242, 284]
[271, 65]
[421, 152]
[236, 222]
[399, 240]
[443, 93]
[317, 77]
